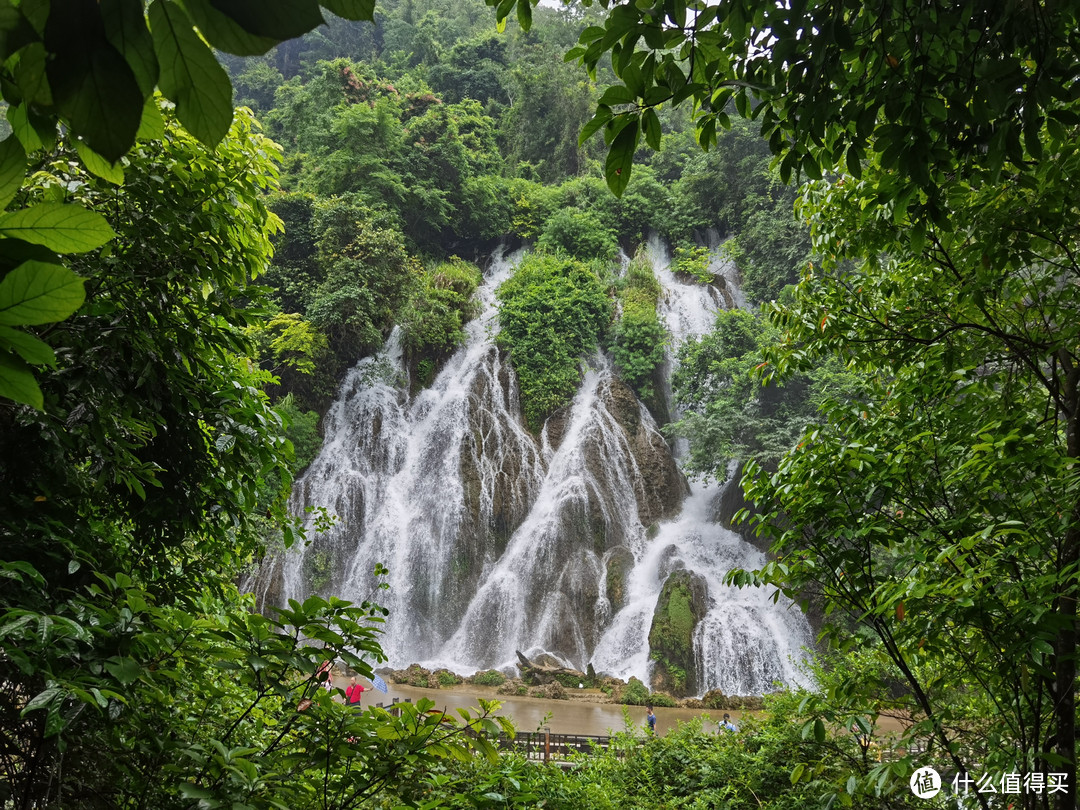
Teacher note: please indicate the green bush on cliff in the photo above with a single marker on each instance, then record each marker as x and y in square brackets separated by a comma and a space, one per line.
[580, 233]
[442, 303]
[638, 337]
[552, 312]
[692, 262]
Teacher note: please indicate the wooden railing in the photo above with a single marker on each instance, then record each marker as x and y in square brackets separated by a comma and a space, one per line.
[544, 746]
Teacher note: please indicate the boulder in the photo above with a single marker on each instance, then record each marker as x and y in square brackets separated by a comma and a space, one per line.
[681, 605]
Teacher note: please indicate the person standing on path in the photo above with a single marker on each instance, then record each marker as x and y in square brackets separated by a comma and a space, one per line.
[353, 693]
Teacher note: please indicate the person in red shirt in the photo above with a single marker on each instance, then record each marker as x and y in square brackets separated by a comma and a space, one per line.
[353, 693]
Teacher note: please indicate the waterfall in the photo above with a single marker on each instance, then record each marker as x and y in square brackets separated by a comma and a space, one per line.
[498, 541]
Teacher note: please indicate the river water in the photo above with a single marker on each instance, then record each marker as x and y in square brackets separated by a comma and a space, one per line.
[528, 713]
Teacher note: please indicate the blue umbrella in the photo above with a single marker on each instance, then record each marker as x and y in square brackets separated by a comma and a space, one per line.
[379, 683]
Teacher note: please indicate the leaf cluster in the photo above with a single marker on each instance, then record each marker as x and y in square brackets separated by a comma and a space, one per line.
[553, 311]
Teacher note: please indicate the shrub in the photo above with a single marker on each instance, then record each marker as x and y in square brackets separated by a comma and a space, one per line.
[553, 310]
[445, 677]
[582, 234]
[490, 677]
[635, 693]
[442, 303]
[692, 262]
[639, 337]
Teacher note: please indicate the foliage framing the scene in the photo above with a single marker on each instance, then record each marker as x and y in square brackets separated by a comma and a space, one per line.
[94, 68]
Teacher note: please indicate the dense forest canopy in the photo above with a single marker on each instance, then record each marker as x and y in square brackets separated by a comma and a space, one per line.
[916, 470]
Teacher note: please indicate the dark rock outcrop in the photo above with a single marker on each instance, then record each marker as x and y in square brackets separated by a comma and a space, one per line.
[681, 606]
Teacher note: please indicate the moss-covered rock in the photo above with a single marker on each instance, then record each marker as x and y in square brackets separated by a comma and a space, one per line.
[415, 675]
[620, 561]
[682, 604]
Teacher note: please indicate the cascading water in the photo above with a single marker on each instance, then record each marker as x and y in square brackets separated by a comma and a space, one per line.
[745, 643]
[497, 541]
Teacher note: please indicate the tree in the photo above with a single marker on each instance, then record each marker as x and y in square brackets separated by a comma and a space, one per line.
[941, 510]
[94, 68]
[728, 414]
[955, 538]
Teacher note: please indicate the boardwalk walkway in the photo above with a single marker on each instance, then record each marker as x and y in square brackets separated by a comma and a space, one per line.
[544, 745]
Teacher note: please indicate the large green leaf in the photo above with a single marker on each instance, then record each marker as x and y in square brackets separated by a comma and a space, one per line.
[225, 33]
[620, 159]
[277, 19]
[125, 28]
[97, 165]
[19, 118]
[92, 84]
[190, 75]
[351, 9]
[17, 381]
[12, 168]
[58, 226]
[152, 125]
[15, 29]
[35, 293]
[31, 349]
[29, 74]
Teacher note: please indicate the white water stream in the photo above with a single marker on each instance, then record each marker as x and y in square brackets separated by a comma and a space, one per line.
[498, 542]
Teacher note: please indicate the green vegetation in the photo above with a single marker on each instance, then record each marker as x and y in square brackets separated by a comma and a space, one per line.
[490, 677]
[731, 414]
[692, 262]
[635, 693]
[553, 310]
[934, 509]
[687, 768]
[442, 302]
[581, 234]
[135, 674]
[143, 462]
[638, 336]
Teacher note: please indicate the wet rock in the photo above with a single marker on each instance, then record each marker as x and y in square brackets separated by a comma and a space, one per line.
[514, 686]
[620, 561]
[555, 428]
[682, 604]
[660, 486]
[551, 691]
[728, 503]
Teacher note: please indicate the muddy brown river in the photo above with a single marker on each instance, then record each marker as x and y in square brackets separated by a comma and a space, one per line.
[567, 716]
